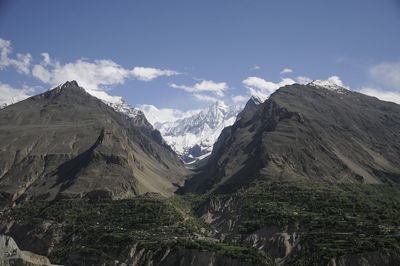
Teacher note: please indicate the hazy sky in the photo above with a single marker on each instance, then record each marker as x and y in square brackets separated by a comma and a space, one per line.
[186, 54]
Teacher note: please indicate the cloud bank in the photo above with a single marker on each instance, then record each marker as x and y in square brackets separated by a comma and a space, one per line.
[95, 76]
[384, 75]
[154, 115]
[21, 63]
[9, 95]
[217, 88]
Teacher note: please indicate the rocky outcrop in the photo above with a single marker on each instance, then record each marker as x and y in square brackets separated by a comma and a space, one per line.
[223, 214]
[183, 257]
[174, 257]
[276, 243]
[10, 254]
[377, 258]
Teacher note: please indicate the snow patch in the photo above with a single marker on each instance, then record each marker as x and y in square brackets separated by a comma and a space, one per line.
[333, 83]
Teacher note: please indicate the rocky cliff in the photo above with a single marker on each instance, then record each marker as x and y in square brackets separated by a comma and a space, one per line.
[11, 255]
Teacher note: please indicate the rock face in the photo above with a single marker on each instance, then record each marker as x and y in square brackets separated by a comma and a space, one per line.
[223, 215]
[307, 132]
[175, 257]
[65, 143]
[10, 254]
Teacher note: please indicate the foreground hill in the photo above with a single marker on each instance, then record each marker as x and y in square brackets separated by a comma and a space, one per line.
[307, 132]
[65, 143]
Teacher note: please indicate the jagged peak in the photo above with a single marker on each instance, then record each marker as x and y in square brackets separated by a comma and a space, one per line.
[255, 99]
[219, 104]
[68, 85]
[72, 83]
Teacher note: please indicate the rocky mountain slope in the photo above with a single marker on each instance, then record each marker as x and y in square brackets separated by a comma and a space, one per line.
[10, 254]
[193, 137]
[313, 132]
[65, 143]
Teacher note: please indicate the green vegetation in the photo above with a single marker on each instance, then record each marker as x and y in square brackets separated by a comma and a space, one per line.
[332, 219]
[235, 251]
[104, 229]
[357, 208]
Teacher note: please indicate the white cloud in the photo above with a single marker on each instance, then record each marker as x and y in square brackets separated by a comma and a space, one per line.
[154, 115]
[9, 95]
[96, 76]
[303, 80]
[385, 78]
[336, 81]
[46, 59]
[42, 74]
[217, 88]
[256, 67]
[389, 96]
[264, 86]
[387, 74]
[22, 62]
[205, 98]
[148, 73]
[286, 70]
[240, 98]
[90, 75]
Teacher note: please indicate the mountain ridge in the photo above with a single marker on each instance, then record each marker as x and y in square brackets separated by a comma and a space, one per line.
[307, 132]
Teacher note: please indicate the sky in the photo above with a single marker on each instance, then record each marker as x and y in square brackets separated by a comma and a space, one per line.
[184, 55]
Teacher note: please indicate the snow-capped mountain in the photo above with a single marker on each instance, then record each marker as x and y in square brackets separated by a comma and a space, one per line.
[123, 107]
[116, 102]
[193, 137]
[329, 84]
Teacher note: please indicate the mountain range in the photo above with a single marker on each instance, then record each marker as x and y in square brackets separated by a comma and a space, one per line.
[309, 176]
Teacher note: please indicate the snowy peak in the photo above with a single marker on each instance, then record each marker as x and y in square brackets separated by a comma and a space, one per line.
[193, 137]
[125, 108]
[116, 102]
[329, 84]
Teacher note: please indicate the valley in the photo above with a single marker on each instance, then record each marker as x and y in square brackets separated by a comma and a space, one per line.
[308, 177]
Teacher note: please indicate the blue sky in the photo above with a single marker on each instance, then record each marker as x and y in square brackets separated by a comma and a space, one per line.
[218, 45]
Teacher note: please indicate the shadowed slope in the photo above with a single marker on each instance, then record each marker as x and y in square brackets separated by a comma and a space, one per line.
[307, 132]
[67, 143]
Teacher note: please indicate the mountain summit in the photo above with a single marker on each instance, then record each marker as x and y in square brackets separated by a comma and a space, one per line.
[316, 131]
[65, 143]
